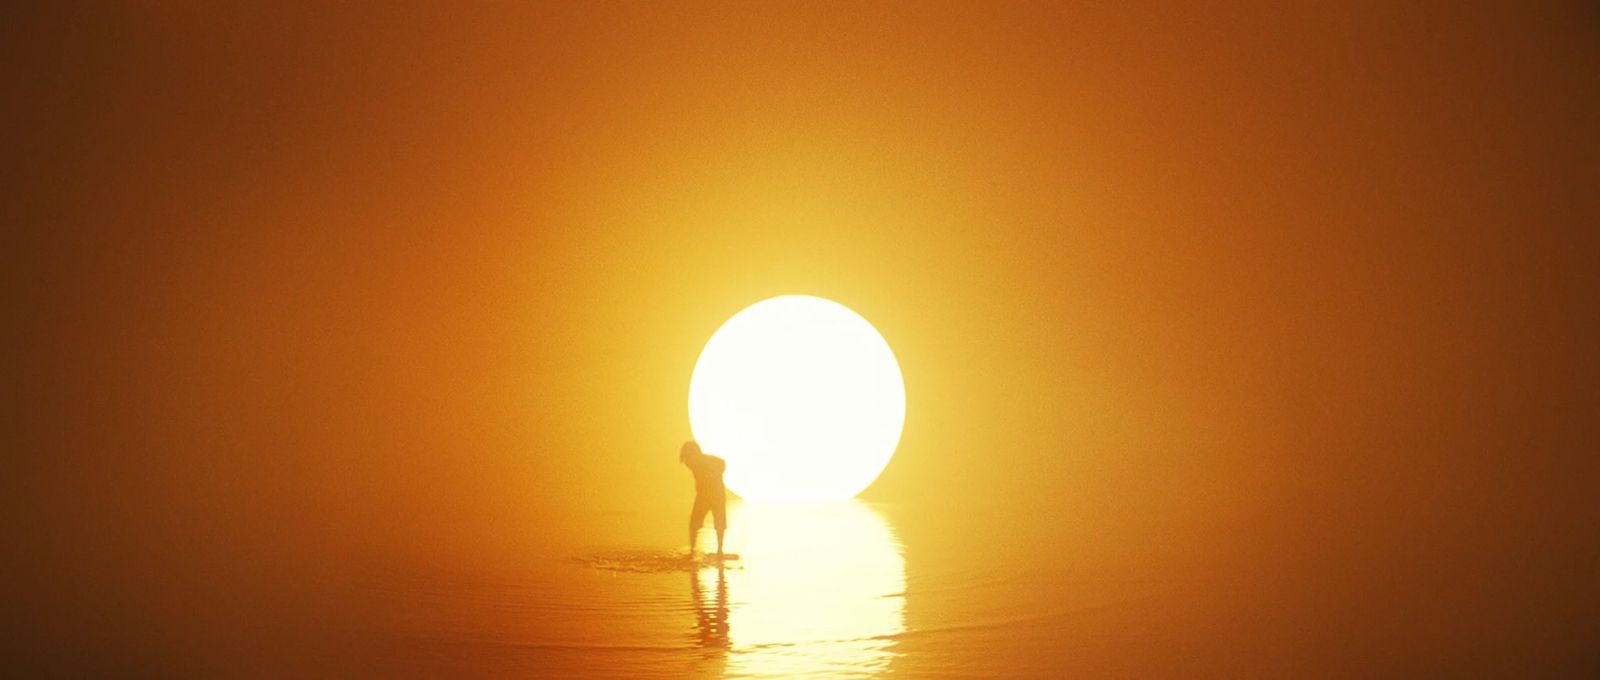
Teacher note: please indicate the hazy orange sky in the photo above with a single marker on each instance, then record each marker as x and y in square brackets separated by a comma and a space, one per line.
[300, 286]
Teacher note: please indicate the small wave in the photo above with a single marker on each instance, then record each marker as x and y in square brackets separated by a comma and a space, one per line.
[655, 561]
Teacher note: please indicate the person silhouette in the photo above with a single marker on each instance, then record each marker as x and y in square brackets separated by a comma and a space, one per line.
[709, 494]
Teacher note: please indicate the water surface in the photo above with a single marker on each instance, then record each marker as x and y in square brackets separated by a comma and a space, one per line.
[848, 590]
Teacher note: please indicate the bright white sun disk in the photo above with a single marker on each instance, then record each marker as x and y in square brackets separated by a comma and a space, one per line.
[801, 396]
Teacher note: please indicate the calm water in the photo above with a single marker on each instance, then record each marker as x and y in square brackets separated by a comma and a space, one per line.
[846, 590]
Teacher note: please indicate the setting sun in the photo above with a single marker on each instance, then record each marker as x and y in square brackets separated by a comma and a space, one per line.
[801, 396]
[717, 340]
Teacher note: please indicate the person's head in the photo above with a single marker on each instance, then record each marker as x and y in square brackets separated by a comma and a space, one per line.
[689, 450]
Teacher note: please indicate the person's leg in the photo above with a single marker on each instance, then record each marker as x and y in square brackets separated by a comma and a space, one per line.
[696, 517]
[719, 518]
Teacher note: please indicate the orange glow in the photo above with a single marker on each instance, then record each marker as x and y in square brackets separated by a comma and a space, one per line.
[1227, 339]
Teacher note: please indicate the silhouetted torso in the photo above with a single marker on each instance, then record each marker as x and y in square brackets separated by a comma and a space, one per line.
[707, 471]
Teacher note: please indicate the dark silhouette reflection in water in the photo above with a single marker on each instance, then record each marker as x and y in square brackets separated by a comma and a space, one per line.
[711, 617]
[708, 596]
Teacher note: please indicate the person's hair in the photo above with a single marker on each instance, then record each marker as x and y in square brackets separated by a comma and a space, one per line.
[689, 448]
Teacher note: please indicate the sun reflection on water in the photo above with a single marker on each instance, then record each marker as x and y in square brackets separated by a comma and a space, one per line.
[817, 591]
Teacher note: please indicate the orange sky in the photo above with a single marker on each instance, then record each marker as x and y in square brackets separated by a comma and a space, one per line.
[295, 282]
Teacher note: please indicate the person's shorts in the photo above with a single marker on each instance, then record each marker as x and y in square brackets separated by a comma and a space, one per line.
[718, 508]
